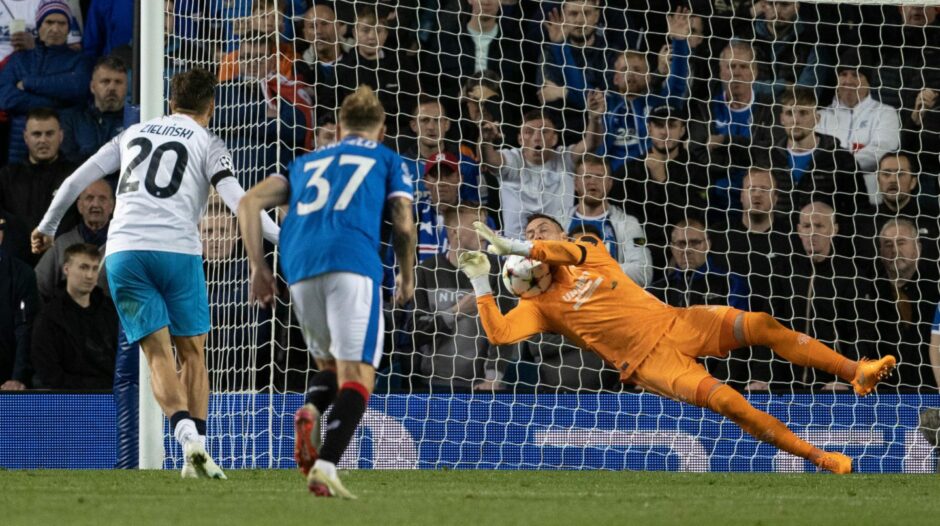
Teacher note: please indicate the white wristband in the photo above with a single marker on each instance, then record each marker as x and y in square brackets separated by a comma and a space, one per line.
[520, 248]
[481, 285]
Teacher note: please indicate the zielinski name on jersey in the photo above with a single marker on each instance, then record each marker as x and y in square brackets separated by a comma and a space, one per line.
[168, 131]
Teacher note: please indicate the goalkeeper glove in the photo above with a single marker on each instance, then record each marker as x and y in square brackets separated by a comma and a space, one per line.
[477, 267]
[502, 246]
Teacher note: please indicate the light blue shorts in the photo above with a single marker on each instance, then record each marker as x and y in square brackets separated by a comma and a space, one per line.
[152, 290]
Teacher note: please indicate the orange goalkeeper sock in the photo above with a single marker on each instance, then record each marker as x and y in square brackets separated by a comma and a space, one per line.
[762, 426]
[797, 348]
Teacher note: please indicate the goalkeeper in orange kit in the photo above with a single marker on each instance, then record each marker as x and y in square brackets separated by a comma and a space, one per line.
[656, 346]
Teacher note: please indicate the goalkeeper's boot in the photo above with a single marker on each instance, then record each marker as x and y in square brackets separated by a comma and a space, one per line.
[869, 373]
[835, 462]
[205, 467]
[323, 481]
[306, 437]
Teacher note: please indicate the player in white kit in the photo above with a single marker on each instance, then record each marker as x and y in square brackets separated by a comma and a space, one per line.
[154, 254]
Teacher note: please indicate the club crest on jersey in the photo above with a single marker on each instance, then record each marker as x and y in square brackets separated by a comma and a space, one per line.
[582, 290]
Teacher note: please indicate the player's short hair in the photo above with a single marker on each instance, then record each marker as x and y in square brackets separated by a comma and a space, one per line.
[193, 91]
[911, 160]
[370, 13]
[361, 111]
[584, 228]
[690, 222]
[800, 96]
[451, 213]
[84, 249]
[42, 114]
[898, 223]
[255, 38]
[112, 62]
[538, 215]
[591, 159]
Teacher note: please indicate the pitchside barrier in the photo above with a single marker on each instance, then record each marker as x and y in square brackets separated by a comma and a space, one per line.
[530, 431]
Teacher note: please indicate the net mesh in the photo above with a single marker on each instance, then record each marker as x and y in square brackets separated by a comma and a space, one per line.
[735, 155]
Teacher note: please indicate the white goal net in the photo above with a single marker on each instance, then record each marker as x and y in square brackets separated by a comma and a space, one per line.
[773, 156]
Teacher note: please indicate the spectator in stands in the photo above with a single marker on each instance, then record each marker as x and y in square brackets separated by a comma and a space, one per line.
[438, 191]
[790, 50]
[757, 243]
[109, 24]
[906, 295]
[921, 129]
[861, 124]
[89, 128]
[485, 39]
[662, 188]
[454, 349]
[76, 334]
[695, 277]
[390, 73]
[262, 20]
[50, 75]
[430, 125]
[819, 292]
[18, 27]
[909, 60]
[897, 187]
[812, 165]
[326, 130]
[631, 100]
[249, 118]
[536, 177]
[26, 188]
[18, 305]
[724, 130]
[620, 231]
[95, 206]
[237, 325]
[317, 66]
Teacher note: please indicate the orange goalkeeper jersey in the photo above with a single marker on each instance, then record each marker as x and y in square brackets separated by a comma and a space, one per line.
[591, 301]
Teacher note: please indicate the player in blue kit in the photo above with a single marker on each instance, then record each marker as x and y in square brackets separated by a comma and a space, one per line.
[329, 247]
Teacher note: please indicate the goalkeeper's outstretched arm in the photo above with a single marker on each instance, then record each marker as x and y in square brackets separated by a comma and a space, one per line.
[551, 252]
[273, 191]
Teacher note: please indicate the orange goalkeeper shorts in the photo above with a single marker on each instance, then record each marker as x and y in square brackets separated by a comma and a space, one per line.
[672, 369]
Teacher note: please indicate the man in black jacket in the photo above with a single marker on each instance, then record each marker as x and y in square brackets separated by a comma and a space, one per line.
[26, 188]
[817, 168]
[87, 128]
[906, 296]
[19, 301]
[75, 337]
[820, 294]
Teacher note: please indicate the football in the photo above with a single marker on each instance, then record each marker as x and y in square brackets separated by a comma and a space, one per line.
[526, 277]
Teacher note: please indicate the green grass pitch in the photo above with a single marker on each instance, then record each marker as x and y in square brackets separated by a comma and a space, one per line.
[479, 498]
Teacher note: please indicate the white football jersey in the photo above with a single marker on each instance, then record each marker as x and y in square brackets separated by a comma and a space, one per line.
[166, 168]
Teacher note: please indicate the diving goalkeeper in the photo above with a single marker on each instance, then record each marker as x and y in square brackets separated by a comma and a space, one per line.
[592, 302]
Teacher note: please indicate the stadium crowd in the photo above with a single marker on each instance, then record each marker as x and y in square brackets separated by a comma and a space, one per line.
[773, 156]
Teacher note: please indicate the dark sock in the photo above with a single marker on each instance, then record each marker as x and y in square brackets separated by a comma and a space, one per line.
[321, 390]
[177, 416]
[200, 426]
[347, 412]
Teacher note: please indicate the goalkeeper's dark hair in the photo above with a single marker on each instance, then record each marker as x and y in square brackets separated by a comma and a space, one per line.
[580, 229]
[361, 111]
[84, 249]
[193, 91]
[537, 215]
